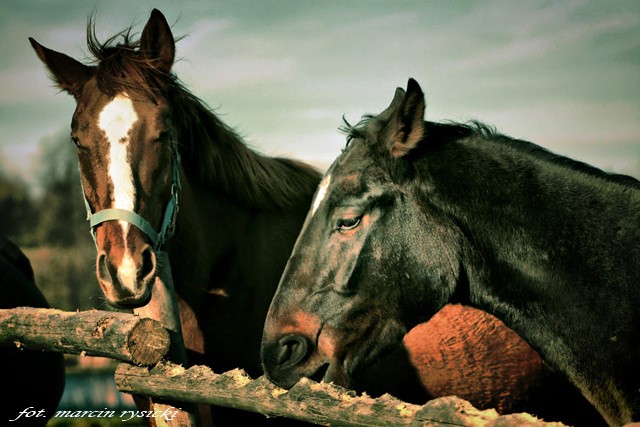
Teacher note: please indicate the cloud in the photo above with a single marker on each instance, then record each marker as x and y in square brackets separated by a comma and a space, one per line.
[500, 33]
[319, 114]
[202, 36]
[216, 53]
[530, 47]
[237, 72]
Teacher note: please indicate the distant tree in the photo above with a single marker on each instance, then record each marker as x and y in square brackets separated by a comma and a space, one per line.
[65, 261]
[62, 213]
[18, 215]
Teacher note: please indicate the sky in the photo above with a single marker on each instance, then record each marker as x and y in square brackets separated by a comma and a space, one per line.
[283, 73]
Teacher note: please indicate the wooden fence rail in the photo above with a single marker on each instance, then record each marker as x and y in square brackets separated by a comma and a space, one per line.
[318, 403]
[120, 336]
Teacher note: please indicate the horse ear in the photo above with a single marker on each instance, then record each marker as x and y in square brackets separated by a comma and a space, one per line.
[157, 43]
[405, 125]
[398, 97]
[68, 73]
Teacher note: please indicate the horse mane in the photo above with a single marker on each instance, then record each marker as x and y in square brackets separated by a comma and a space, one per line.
[222, 160]
[450, 130]
[490, 133]
[214, 152]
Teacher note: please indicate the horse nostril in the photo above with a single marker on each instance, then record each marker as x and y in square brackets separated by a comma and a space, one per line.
[102, 269]
[148, 268]
[292, 349]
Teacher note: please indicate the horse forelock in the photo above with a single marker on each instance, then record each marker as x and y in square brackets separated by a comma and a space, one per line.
[120, 66]
[363, 130]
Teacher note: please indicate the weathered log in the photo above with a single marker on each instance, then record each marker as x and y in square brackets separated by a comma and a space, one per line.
[120, 336]
[318, 403]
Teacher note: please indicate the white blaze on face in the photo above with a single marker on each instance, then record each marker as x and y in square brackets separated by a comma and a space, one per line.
[116, 119]
[322, 192]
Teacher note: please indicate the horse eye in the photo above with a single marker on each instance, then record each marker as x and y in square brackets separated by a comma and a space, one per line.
[163, 136]
[346, 224]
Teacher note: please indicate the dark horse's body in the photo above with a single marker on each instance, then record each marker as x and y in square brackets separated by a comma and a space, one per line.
[416, 214]
[31, 378]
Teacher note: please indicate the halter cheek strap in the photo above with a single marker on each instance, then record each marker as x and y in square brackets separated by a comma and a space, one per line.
[167, 227]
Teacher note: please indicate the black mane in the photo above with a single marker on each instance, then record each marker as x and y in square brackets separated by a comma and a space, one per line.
[490, 133]
[442, 132]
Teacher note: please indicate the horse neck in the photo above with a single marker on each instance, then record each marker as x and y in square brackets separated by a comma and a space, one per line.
[535, 222]
[218, 158]
[202, 220]
[230, 197]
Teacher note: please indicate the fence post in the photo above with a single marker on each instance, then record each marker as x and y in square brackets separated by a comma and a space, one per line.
[163, 307]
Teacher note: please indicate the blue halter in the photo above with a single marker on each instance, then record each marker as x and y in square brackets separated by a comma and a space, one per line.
[158, 238]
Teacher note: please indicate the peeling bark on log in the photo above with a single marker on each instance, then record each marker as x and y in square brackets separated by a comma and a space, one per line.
[120, 336]
[319, 403]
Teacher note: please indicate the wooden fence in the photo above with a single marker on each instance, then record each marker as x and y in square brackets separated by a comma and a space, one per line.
[149, 346]
[142, 345]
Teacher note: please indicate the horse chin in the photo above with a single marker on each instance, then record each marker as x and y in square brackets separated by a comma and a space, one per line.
[334, 373]
[344, 372]
[371, 350]
[131, 302]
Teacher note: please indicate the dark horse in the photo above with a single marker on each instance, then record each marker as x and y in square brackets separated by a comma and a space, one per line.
[146, 148]
[24, 369]
[414, 215]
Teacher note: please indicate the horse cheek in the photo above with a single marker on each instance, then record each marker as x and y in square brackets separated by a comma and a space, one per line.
[349, 256]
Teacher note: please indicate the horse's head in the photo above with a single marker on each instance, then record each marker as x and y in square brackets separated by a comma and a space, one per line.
[127, 156]
[366, 267]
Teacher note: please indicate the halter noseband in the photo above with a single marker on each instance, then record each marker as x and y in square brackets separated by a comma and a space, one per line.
[168, 225]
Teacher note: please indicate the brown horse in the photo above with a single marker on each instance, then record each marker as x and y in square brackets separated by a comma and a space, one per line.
[143, 143]
[148, 148]
[22, 369]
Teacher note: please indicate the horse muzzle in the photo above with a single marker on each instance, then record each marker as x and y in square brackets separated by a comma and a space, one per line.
[126, 273]
[304, 346]
[283, 359]
[293, 357]
[300, 347]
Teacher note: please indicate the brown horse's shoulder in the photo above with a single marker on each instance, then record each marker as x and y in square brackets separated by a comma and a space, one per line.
[469, 353]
